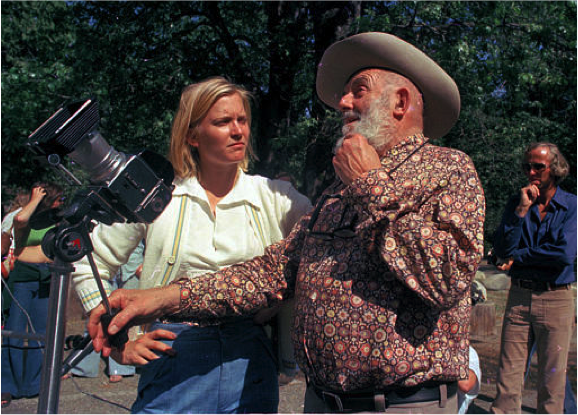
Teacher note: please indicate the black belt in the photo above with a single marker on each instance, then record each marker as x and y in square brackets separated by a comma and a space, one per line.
[539, 285]
[380, 400]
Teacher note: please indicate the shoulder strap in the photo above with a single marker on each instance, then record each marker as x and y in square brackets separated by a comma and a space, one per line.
[258, 224]
[176, 241]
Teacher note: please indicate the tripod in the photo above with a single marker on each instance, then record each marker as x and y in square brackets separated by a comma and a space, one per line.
[67, 243]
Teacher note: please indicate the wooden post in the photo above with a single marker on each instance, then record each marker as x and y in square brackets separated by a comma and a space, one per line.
[483, 320]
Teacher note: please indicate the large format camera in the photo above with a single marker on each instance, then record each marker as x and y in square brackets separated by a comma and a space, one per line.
[124, 188]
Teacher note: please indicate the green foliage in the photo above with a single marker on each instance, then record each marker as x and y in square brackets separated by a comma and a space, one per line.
[34, 73]
[514, 62]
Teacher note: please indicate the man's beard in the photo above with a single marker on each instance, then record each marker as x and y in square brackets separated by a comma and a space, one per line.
[373, 125]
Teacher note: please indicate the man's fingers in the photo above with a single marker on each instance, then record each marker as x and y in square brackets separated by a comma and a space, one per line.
[120, 320]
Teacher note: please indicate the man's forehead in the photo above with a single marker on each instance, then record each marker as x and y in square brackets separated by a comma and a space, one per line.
[369, 75]
[541, 151]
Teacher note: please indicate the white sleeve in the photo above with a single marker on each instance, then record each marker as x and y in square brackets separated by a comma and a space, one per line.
[293, 205]
[475, 366]
[112, 247]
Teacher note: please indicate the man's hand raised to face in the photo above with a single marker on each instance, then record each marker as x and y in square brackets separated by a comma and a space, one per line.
[354, 158]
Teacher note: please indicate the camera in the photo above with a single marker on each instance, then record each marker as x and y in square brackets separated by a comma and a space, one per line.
[124, 188]
[131, 188]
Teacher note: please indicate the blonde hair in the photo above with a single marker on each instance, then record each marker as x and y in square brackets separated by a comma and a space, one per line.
[196, 101]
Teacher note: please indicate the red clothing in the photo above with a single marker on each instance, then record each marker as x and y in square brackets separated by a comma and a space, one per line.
[387, 304]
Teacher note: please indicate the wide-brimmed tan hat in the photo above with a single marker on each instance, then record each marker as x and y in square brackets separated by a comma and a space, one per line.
[345, 58]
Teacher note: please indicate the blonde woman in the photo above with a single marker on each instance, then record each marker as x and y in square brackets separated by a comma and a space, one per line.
[219, 216]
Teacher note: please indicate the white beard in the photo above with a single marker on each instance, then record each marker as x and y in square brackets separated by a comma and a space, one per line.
[373, 125]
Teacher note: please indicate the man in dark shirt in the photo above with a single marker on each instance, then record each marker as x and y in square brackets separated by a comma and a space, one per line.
[381, 269]
[536, 243]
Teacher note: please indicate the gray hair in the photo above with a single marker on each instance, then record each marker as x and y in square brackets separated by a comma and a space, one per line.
[558, 164]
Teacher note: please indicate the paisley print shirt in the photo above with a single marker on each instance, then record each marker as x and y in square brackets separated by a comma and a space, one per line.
[380, 271]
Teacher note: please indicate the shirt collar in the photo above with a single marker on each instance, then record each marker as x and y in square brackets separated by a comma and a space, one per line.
[243, 191]
[560, 198]
[402, 151]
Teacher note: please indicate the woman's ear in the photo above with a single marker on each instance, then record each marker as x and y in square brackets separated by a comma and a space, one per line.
[191, 138]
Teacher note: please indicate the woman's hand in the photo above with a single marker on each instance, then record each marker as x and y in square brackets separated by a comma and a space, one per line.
[143, 350]
[135, 307]
[37, 194]
[22, 218]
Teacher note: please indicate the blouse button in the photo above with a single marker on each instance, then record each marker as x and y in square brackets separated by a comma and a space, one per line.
[171, 260]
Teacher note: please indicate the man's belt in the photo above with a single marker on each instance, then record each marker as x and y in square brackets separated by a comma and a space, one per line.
[539, 285]
[380, 400]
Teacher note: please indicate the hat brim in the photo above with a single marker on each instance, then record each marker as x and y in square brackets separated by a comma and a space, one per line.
[345, 58]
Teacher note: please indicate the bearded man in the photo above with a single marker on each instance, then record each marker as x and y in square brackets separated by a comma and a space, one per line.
[381, 269]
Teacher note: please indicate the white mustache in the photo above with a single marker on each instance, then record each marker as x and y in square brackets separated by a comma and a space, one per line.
[345, 116]
[350, 114]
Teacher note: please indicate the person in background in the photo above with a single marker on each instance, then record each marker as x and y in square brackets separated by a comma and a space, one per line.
[8, 257]
[218, 216]
[569, 397]
[469, 388]
[21, 368]
[536, 243]
[381, 269]
[20, 200]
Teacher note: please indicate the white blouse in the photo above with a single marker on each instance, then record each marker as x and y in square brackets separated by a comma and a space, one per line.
[188, 240]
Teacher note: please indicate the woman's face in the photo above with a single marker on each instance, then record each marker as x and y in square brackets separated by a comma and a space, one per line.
[223, 134]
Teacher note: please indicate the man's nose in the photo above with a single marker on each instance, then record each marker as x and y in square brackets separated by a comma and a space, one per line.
[346, 102]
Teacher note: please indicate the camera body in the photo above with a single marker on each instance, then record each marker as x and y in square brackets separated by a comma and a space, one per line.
[131, 188]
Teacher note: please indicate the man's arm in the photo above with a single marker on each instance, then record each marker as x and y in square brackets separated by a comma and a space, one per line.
[430, 233]
[559, 252]
[241, 289]
[245, 288]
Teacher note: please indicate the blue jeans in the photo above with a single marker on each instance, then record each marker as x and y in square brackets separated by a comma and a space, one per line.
[220, 369]
[22, 367]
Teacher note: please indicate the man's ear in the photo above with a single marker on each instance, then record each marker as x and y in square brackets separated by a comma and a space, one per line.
[402, 102]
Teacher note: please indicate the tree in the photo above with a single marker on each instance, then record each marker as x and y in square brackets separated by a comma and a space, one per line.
[35, 44]
[516, 72]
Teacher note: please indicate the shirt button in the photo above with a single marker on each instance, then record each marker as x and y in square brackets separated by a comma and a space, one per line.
[171, 260]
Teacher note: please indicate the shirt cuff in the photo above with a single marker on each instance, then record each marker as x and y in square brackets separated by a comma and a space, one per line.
[91, 298]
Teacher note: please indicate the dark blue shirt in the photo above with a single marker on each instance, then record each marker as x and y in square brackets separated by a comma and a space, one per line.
[543, 250]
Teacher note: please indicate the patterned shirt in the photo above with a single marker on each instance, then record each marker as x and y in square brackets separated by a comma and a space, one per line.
[380, 271]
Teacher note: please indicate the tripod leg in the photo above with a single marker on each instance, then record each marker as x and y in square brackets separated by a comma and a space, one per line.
[55, 330]
[77, 355]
